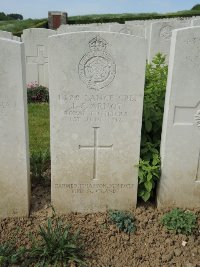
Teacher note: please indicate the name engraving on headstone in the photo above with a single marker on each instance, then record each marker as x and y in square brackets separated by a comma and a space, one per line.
[94, 188]
[96, 108]
[3, 105]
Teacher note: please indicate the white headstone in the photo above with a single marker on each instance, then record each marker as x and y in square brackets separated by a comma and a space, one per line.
[96, 95]
[81, 28]
[160, 37]
[137, 30]
[195, 22]
[36, 46]
[180, 146]
[7, 35]
[16, 38]
[135, 22]
[14, 156]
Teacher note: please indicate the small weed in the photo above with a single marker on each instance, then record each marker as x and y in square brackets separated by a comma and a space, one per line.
[180, 221]
[9, 254]
[123, 220]
[149, 173]
[57, 246]
[39, 162]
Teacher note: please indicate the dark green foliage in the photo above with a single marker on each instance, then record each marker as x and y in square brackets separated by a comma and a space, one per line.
[154, 98]
[196, 7]
[37, 93]
[39, 162]
[179, 221]
[9, 254]
[4, 17]
[121, 18]
[16, 16]
[57, 246]
[123, 220]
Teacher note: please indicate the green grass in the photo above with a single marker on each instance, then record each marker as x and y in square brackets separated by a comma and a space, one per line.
[17, 26]
[39, 127]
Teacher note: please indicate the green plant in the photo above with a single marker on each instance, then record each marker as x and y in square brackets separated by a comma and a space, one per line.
[123, 220]
[37, 93]
[149, 174]
[154, 97]
[39, 162]
[9, 254]
[57, 246]
[180, 221]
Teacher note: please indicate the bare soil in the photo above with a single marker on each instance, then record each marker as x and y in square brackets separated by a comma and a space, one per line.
[105, 246]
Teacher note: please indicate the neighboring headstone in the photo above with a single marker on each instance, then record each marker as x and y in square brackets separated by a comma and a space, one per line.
[96, 96]
[180, 146]
[160, 37]
[74, 28]
[135, 22]
[16, 38]
[7, 35]
[56, 18]
[36, 46]
[14, 155]
[137, 30]
[195, 22]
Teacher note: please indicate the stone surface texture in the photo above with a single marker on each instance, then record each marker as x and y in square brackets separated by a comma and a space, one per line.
[81, 28]
[96, 99]
[16, 38]
[137, 30]
[180, 147]
[14, 156]
[7, 35]
[195, 22]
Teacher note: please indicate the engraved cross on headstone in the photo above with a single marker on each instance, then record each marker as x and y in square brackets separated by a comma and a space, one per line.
[95, 149]
[40, 60]
[189, 116]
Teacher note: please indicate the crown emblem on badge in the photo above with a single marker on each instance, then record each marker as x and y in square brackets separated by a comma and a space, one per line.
[98, 43]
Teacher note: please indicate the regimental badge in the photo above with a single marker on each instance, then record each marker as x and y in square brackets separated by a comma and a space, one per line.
[126, 30]
[97, 68]
[166, 32]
